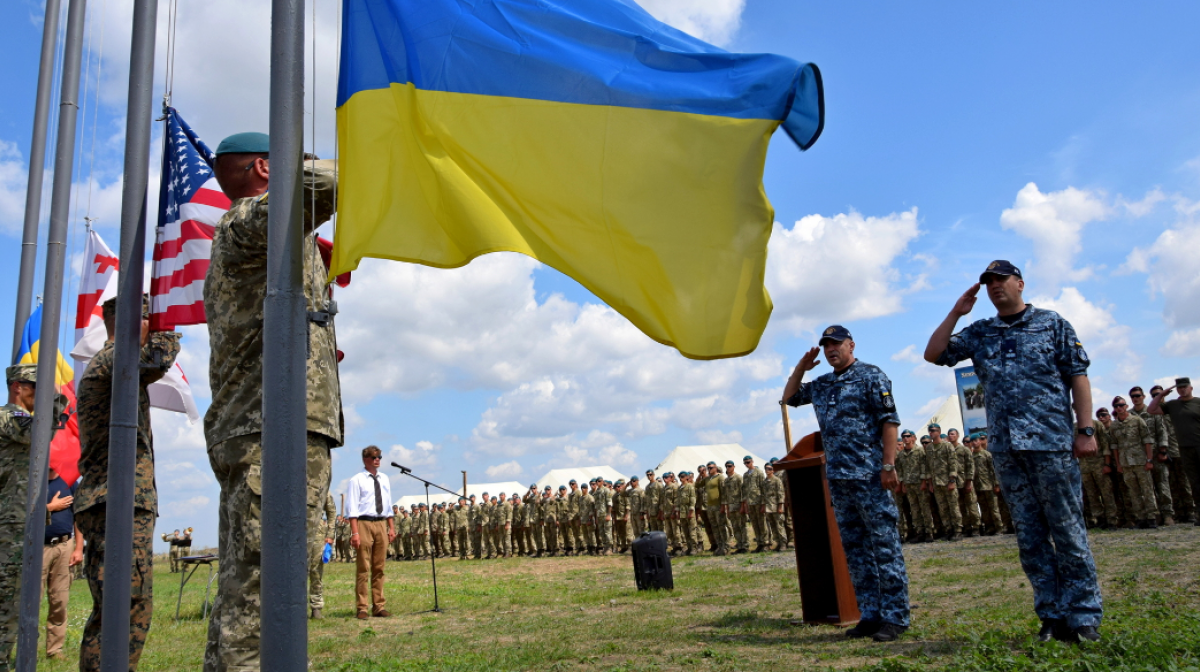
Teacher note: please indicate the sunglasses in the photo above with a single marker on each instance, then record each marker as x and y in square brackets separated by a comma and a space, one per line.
[1118, 405]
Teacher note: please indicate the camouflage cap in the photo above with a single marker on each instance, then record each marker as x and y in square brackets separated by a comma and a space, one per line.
[26, 373]
[245, 143]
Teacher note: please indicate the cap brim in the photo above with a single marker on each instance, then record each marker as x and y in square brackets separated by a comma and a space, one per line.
[829, 338]
[983, 276]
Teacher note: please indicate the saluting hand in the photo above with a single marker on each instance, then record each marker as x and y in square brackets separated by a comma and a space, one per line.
[809, 361]
[966, 303]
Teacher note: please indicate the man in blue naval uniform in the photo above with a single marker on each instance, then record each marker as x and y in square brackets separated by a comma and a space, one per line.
[1034, 373]
[857, 416]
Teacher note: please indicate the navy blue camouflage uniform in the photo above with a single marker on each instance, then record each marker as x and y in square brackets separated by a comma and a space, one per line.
[1026, 369]
[851, 409]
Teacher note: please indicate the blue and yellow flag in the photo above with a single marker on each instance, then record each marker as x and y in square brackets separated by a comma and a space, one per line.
[583, 133]
[64, 447]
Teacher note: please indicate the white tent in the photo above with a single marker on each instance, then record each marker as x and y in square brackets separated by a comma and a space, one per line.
[948, 415]
[557, 477]
[687, 458]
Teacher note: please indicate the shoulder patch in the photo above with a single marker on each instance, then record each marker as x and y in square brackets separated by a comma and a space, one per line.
[889, 402]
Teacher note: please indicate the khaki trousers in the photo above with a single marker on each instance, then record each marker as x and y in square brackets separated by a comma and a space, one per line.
[56, 582]
[372, 555]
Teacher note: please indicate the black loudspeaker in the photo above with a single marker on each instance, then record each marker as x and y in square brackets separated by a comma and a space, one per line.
[651, 562]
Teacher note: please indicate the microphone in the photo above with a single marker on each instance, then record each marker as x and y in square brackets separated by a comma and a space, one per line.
[403, 469]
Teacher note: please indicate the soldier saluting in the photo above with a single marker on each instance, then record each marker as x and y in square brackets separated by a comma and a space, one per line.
[857, 415]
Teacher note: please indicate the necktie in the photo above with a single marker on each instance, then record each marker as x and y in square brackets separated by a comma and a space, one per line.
[378, 496]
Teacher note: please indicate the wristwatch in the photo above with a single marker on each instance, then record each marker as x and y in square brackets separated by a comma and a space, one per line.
[889, 467]
[1087, 431]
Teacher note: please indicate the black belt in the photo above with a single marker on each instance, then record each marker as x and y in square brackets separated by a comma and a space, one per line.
[373, 519]
[54, 541]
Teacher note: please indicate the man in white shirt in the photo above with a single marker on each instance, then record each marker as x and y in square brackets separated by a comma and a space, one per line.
[369, 509]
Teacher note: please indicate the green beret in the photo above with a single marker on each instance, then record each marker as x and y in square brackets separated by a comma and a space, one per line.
[245, 143]
[932, 425]
[26, 373]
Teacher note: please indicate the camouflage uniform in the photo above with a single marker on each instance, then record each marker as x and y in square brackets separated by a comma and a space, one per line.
[985, 489]
[637, 511]
[94, 410]
[16, 430]
[480, 525]
[943, 472]
[1097, 486]
[1181, 488]
[518, 528]
[667, 508]
[773, 498]
[620, 520]
[851, 409]
[548, 509]
[503, 519]
[650, 501]
[1025, 369]
[234, 292]
[1157, 424]
[462, 532]
[420, 532]
[713, 497]
[685, 512]
[968, 504]
[575, 514]
[913, 473]
[604, 522]
[1129, 438]
[341, 540]
[316, 553]
[752, 496]
[731, 499]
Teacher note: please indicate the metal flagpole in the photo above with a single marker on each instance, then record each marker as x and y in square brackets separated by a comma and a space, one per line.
[44, 418]
[284, 597]
[37, 164]
[123, 425]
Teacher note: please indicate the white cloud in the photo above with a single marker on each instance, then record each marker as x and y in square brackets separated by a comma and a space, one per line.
[909, 354]
[1146, 205]
[1170, 263]
[183, 476]
[1098, 329]
[1184, 343]
[716, 436]
[424, 454]
[185, 507]
[506, 471]
[840, 269]
[714, 21]
[1054, 222]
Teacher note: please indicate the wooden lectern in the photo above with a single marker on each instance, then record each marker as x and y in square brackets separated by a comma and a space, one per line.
[826, 592]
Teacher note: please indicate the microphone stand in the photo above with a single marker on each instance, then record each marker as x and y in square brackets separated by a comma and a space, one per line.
[432, 556]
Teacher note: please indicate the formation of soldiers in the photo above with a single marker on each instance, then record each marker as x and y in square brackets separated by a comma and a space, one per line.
[721, 511]
[1136, 478]
[948, 489]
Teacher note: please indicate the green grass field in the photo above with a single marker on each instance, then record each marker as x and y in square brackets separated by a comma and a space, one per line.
[972, 611]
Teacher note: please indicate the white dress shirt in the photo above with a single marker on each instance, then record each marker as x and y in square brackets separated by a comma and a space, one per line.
[360, 496]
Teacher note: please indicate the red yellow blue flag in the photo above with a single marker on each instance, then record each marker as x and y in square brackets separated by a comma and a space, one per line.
[64, 447]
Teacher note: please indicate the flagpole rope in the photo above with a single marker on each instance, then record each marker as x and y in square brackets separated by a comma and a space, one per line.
[313, 200]
[169, 65]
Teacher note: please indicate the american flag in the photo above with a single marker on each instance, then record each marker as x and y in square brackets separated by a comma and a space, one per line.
[189, 205]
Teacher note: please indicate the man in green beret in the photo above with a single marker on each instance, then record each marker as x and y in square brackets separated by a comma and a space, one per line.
[234, 293]
[16, 432]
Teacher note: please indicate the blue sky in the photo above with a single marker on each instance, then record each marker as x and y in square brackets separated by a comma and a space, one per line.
[1061, 137]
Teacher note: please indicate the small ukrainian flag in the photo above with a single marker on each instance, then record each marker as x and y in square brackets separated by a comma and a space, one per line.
[583, 133]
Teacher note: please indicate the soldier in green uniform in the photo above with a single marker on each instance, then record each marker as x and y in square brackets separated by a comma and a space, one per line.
[1181, 488]
[667, 496]
[94, 408]
[914, 485]
[462, 524]
[704, 528]
[234, 292]
[1135, 460]
[987, 488]
[1097, 486]
[732, 507]
[1157, 424]
[713, 506]
[620, 515]
[548, 513]
[752, 487]
[773, 500]
[637, 507]
[650, 499]
[943, 481]
[341, 540]
[480, 524]
[604, 517]
[685, 513]
[562, 511]
[403, 540]
[517, 534]
[16, 430]
[575, 516]
[316, 570]
[968, 504]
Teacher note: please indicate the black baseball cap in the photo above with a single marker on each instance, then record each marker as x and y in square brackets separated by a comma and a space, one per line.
[834, 333]
[999, 267]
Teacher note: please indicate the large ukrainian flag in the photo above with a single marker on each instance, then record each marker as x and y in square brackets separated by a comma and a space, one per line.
[583, 133]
